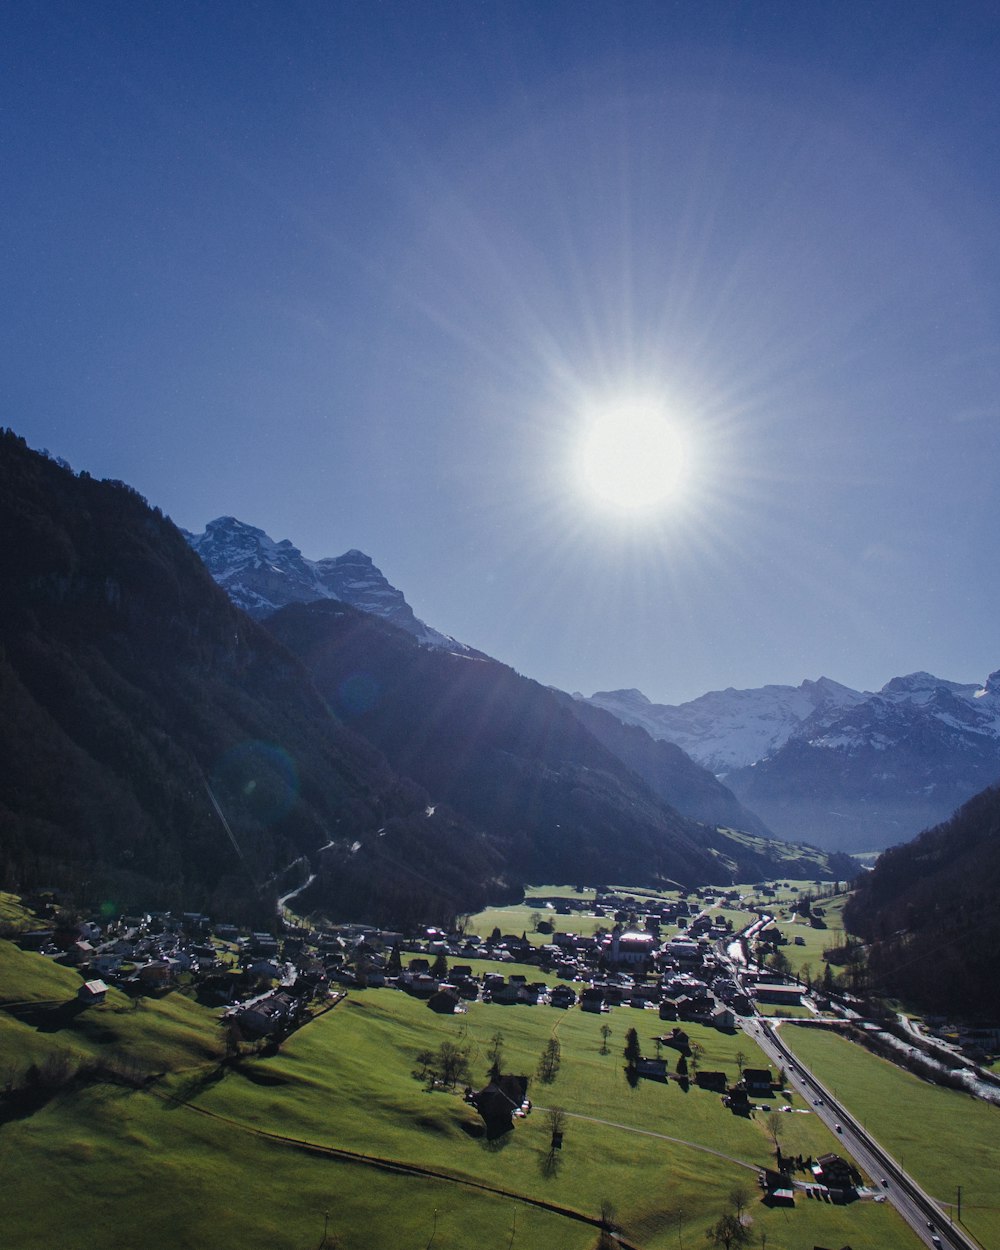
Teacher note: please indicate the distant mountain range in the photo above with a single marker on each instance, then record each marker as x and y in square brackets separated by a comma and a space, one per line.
[841, 768]
[261, 576]
[819, 763]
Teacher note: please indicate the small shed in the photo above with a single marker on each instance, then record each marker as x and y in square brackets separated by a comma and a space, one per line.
[92, 992]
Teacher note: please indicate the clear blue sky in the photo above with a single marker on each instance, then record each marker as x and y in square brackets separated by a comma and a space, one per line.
[352, 272]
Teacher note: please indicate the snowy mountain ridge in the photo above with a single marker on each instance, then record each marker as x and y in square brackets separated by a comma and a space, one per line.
[261, 575]
[730, 729]
[839, 767]
[727, 729]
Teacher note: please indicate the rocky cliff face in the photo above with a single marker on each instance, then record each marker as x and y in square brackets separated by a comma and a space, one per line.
[261, 575]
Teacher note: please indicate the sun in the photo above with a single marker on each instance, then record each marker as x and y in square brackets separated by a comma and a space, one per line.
[632, 457]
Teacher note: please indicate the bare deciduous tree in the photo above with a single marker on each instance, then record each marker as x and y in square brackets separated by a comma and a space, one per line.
[728, 1231]
[775, 1128]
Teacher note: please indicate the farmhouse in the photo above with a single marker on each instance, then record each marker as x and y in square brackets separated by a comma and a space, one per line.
[445, 1001]
[652, 1069]
[264, 1015]
[498, 1101]
[835, 1173]
[757, 1081]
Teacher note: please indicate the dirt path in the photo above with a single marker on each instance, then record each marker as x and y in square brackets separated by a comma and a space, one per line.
[645, 1132]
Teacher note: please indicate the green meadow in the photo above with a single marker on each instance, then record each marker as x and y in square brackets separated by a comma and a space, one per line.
[520, 918]
[335, 1129]
[14, 916]
[942, 1137]
[810, 955]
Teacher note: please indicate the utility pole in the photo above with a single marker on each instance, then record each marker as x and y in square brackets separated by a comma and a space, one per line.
[959, 1204]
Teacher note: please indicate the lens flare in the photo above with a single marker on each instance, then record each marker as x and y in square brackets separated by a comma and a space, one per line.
[258, 777]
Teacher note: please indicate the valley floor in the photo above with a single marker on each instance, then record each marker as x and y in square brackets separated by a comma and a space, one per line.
[263, 1153]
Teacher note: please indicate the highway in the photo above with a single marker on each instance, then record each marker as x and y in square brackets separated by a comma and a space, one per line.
[916, 1206]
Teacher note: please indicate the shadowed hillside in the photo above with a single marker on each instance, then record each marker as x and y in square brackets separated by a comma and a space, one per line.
[931, 909]
[504, 750]
[131, 687]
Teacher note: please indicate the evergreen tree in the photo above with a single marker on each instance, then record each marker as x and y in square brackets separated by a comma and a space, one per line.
[495, 1055]
[548, 1064]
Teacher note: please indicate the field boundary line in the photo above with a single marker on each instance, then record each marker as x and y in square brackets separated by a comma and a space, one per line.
[346, 1155]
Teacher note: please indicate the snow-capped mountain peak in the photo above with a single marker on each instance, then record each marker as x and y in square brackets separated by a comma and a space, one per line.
[261, 575]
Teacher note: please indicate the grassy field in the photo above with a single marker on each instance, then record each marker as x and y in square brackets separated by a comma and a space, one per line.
[518, 919]
[944, 1138]
[14, 916]
[559, 891]
[197, 1156]
[40, 1017]
[790, 1012]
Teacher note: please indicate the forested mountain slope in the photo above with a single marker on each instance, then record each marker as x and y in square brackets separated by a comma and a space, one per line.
[140, 710]
[931, 911]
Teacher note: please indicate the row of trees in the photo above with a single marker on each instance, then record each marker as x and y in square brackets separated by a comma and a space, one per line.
[451, 1062]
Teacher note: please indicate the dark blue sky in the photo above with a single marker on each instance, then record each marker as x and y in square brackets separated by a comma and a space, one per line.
[354, 272]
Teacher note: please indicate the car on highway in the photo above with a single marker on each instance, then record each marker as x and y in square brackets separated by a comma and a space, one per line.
[839, 1128]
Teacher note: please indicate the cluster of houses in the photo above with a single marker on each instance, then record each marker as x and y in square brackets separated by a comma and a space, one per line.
[980, 1043]
[263, 981]
[145, 952]
[683, 978]
[158, 951]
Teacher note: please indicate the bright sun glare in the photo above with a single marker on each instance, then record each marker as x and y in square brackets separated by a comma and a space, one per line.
[632, 458]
